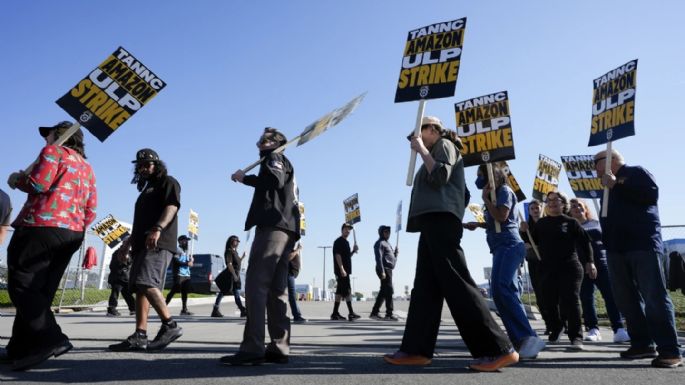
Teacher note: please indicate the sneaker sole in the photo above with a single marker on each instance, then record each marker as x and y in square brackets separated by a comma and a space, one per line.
[161, 347]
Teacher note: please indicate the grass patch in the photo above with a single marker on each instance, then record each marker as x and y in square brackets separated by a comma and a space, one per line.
[72, 297]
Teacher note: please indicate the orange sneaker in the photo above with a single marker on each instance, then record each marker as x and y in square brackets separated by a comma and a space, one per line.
[402, 358]
[494, 364]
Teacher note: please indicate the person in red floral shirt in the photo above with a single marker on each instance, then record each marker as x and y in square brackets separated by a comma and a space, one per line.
[49, 229]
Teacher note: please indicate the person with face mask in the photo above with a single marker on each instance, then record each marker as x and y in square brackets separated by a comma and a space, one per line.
[438, 200]
[508, 252]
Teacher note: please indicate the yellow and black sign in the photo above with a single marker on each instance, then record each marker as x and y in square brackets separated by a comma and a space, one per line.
[513, 183]
[546, 178]
[484, 126]
[111, 93]
[613, 104]
[581, 173]
[193, 224]
[303, 222]
[111, 231]
[430, 63]
[352, 213]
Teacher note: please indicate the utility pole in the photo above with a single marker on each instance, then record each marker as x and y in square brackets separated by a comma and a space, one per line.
[324, 283]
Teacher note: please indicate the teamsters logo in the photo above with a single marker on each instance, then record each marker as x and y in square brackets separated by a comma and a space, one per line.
[610, 133]
[423, 92]
[85, 116]
[485, 155]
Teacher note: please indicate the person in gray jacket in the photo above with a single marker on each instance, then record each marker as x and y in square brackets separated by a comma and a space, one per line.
[385, 262]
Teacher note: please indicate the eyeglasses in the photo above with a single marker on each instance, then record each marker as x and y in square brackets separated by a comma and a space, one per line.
[553, 199]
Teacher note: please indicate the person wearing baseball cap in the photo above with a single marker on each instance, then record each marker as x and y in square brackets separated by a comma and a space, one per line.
[342, 268]
[386, 258]
[180, 267]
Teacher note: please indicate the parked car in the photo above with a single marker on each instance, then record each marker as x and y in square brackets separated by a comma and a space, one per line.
[205, 268]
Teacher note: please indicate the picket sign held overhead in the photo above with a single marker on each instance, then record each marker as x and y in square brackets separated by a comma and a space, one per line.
[583, 178]
[317, 127]
[613, 112]
[398, 223]
[430, 67]
[352, 213]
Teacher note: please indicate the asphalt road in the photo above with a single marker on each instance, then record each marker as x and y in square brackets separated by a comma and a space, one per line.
[323, 352]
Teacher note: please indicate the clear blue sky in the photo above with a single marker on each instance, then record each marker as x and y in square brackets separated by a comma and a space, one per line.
[234, 67]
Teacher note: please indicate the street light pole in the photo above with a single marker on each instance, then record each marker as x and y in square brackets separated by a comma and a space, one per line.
[323, 284]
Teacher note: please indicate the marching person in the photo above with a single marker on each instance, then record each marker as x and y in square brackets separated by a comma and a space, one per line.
[508, 252]
[275, 213]
[49, 229]
[581, 213]
[181, 263]
[342, 268]
[438, 199]
[566, 252]
[233, 262]
[119, 269]
[294, 265]
[153, 243]
[386, 258]
[632, 237]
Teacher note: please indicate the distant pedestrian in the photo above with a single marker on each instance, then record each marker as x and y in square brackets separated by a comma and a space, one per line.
[181, 263]
[49, 229]
[153, 243]
[5, 213]
[438, 199]
[119, 268]
[386, 258]
[233, 262]
[632, 237]
[274, 211]
[342, 268]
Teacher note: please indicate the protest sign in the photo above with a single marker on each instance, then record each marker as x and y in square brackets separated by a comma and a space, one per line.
[513, 183]
[303, 223]
[352, 213]
[193, 224]
[582, 176]
[613, 104]
[430, 62]
[111, 231]
[546, 177]
[110, 94]
[484, 126]
[398, 217]
[477, 211]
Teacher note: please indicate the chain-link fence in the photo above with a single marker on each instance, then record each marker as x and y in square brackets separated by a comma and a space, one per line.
[79, 287]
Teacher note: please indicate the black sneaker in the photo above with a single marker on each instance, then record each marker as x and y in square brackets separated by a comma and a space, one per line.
[353, 316]
[243, 313]
[275, 357]
[634, 353]
[40, 356]
[242, 359]
[186, 312]
[375, 316]
[391, 317]
[216, 313]
[553, 336]
[166, 335]
[337, 317]
[300, 320]
[134, 342]
[112, 312]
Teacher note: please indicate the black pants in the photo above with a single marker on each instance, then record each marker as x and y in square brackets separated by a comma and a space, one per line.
[182, 285]
[121, 287]
[36, 260]
[385, 295]
[561, 290]
[442, 275]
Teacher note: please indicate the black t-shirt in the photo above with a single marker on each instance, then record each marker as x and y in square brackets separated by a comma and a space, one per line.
[559, 237]
[342, 246]
[155, 197]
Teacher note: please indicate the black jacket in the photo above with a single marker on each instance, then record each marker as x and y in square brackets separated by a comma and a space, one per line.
[118, 271]
[274, 203]
[676, 272]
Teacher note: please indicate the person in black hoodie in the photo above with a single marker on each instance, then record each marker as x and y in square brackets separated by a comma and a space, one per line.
[275, 213]
[119, 268]
[385, 262]
[558, 236]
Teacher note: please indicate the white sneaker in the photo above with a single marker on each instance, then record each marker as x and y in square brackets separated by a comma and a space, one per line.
[593, 335]
[577, 344]
[621, 336]
[530, 347]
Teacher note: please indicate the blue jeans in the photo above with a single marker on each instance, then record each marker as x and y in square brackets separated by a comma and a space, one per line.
[236, 295]
[637, 275]
[292, 298]
[506, 260]
[587, 297]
